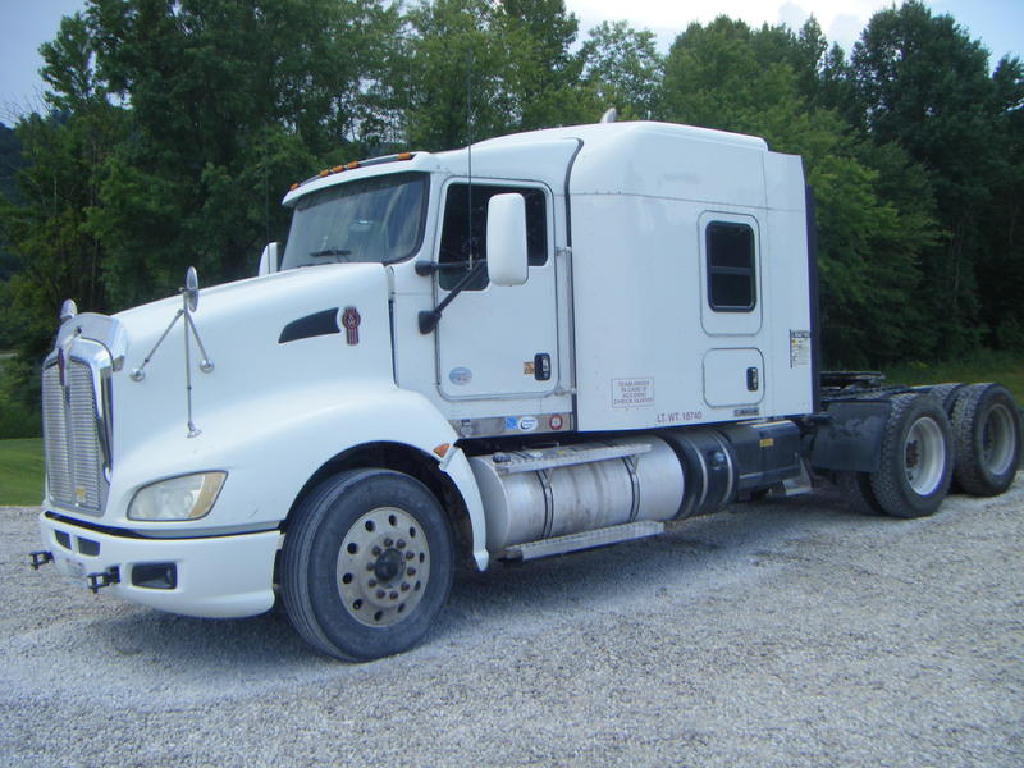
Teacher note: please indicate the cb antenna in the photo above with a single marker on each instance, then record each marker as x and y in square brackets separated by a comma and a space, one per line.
[469, 155]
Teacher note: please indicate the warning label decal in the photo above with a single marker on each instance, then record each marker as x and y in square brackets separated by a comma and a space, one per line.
[799, 348]
[632, 393]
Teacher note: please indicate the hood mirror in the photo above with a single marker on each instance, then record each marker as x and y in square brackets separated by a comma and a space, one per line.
[191, 289]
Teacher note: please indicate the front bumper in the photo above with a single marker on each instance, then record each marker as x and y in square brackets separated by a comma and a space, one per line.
[216, 577]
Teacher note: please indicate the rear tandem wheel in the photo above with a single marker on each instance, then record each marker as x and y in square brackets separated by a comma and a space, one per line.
[916, 458]
[986, 434]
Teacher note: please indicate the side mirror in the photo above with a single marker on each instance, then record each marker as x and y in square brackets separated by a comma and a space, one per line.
[270, 259]
[506, 240]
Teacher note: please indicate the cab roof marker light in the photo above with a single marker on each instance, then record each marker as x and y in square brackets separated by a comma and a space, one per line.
[351, 166]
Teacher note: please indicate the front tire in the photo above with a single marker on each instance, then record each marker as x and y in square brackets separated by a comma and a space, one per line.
[916, 461]
[367, 564]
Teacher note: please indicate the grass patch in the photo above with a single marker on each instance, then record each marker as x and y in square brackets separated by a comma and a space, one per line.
[1003, 367]
[21, 472]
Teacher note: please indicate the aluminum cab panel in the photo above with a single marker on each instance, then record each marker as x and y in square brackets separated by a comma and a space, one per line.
[635, 288]
[638, 299]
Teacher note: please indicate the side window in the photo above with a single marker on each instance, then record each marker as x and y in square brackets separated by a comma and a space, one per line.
[460, 243]
[731, 277]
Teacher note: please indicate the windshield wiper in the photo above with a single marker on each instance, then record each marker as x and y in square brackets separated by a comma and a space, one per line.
[331, 252]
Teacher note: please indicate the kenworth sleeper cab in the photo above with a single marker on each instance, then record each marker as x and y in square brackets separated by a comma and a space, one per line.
[603, 329]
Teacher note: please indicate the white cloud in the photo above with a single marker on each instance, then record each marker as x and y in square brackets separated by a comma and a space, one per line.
[845, 29]
[792, 15]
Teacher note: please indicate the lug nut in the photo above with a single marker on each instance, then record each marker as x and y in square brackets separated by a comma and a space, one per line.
[388, 542]
[405, 587]
[376, 551]
[411, 571]
[394, 595]
[410, 555]
[371, 583]
[380, 594]
[401, 544]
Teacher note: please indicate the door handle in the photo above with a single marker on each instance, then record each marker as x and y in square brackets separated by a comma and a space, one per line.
[753, 379]
[542, 366]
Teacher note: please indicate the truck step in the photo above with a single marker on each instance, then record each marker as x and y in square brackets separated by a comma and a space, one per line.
[552, 458]
[585, 540]
[801, 484]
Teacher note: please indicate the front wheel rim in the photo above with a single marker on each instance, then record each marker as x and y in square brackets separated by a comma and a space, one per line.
[997, 439]
[383, 567]
[924, 452]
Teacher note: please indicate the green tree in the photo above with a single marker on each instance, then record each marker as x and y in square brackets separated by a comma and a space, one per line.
[174, 130]
[476, 70]
[229, 103]
[624, 69]
[455, 74]
[10, 162]
[1000, 263]
[922, 83]
[541, 74]
[730, 77]
[45, 227]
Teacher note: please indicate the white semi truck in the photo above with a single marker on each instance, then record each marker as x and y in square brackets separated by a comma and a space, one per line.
[554, 341]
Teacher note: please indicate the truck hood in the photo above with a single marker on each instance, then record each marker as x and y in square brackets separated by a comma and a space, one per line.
[274, 336]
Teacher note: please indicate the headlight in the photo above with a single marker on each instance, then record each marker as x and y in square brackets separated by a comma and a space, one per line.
[187, 497]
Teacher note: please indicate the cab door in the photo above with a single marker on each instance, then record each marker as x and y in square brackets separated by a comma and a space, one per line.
[495, 342]
[732, 310]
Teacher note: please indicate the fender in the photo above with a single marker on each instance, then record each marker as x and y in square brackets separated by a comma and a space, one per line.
[270, 450]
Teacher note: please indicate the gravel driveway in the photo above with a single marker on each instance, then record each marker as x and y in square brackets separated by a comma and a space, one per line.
[788, 633]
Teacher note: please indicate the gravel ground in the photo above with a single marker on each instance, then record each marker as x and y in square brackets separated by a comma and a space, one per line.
[788, 633]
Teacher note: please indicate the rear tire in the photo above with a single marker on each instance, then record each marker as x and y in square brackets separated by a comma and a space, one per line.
[367, 564]
[947, 394]
[986, 435]
[916, 461]
[860, 497]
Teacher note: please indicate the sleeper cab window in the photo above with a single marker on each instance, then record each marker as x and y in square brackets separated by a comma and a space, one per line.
[463, 234]
[731, 278]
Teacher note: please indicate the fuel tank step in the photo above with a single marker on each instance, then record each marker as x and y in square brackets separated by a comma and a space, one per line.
[586, 540]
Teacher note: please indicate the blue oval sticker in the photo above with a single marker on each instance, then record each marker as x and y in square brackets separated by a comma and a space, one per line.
[460, 376]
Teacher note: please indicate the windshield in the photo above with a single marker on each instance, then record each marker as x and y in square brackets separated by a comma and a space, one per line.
[379, 219]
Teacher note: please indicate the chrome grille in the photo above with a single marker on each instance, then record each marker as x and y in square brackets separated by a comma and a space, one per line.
[74, 456]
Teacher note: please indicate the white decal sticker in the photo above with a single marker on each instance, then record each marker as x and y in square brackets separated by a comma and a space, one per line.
[527, 423]
[632, 393]
[460, 376]
[799, 348]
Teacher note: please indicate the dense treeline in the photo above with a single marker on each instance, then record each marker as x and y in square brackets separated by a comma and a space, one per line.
[174, 127]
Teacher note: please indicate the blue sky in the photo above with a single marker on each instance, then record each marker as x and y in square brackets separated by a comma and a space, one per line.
[25, 24]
